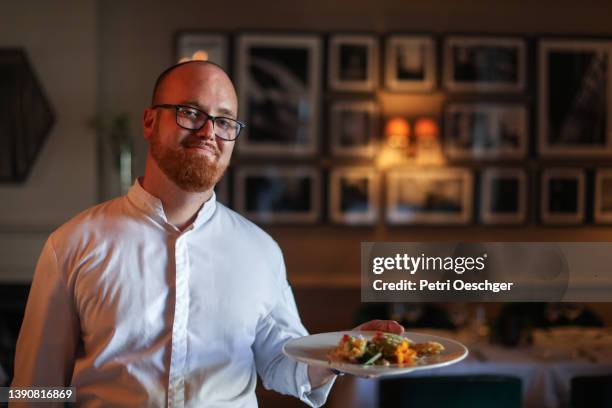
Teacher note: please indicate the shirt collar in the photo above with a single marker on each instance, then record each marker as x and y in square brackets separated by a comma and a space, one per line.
[153, 206]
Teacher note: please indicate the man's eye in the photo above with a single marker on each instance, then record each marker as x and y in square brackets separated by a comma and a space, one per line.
[223, 123]
[189, 113]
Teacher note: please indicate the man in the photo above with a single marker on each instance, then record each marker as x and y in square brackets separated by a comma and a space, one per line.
[165, 297]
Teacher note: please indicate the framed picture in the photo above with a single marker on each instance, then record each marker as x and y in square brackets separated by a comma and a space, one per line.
[278, 194]
[486, 131]
[354, 195]
[354, 128]
[203, 46]
[484, 64]
[279, 83]
[563, 191]
[603, 196]
[410, 63]
[27, 116]
[503, 196]
[575, 91]
[429, 196]
[353, 63]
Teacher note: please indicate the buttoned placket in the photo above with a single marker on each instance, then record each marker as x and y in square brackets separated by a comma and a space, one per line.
[178, 357]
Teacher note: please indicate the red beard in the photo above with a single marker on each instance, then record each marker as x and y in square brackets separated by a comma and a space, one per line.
[189, 170]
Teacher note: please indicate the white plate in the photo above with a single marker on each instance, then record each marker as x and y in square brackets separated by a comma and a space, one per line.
[314, 350]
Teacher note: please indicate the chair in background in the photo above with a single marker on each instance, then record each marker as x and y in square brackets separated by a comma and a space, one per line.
[591, 392]
[480, 391]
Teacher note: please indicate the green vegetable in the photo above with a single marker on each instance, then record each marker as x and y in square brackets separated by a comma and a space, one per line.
[373, 359]
[388, 343]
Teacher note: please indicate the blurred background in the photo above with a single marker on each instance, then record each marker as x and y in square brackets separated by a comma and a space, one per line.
[367, 121]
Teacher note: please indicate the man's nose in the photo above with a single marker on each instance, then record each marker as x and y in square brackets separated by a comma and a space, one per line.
[208, 130]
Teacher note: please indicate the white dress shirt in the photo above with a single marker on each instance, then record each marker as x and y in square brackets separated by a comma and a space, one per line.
[133, 312]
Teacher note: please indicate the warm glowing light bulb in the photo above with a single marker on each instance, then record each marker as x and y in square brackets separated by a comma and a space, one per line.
[397, 132]
[428, 150]
[425, 128]
[397, 126]
[200, 55]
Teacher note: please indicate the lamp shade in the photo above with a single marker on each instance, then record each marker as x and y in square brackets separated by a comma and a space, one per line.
[425, 128]
[397, 126]
[397, 132]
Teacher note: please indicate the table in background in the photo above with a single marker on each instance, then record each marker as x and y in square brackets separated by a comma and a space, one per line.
[545, 371]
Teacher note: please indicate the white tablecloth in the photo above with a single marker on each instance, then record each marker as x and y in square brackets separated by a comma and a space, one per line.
[545, 377]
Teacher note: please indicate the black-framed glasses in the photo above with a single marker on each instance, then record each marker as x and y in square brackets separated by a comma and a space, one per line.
[191, 118]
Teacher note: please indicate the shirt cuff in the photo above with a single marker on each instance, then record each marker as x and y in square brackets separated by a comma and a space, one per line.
[313, 397]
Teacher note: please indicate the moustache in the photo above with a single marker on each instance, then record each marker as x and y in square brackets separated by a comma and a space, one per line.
[198, 143]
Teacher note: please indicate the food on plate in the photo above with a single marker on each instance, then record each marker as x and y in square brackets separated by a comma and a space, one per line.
[428, 348]
[383, 349]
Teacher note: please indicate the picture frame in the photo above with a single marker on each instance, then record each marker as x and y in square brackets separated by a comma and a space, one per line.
[503, 196]
[353, 63]
[602, 211]
[563, 196]
[574, 98]
[487, 131]
[484, 64]
[279, 85]
[278, 194]
[433, 196]
[27, 118]
[205, 46]
[354, 128]
[410, 63]
[354, 195]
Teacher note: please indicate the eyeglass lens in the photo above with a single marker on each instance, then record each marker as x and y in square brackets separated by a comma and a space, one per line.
[193, 119]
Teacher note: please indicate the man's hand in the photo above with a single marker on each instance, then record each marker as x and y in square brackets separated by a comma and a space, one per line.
[320, 375]
[388, 326]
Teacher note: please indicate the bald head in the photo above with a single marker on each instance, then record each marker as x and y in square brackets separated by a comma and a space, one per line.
[183, 72]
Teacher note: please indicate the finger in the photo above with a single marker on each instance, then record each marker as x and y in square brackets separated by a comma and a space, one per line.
[394, 327]
[389, 326]
[371, 325]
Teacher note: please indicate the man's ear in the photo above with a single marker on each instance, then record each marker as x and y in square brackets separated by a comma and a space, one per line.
[148, 122]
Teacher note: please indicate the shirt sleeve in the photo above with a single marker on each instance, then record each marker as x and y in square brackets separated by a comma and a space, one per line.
[277, 371]
[50, 330]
